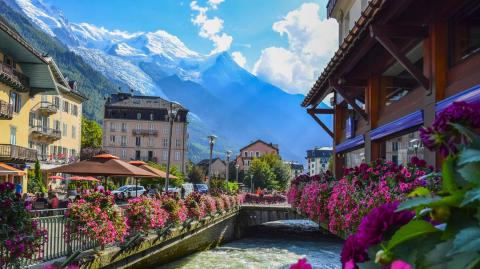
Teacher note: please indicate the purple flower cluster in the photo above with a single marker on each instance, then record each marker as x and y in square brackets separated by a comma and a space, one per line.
[372, 230]
[442, 136]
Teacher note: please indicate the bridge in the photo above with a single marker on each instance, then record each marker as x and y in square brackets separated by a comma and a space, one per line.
[178, 242]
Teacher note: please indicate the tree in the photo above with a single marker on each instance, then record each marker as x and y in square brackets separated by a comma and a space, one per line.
[281, 170]
[195, 174]
[91, 134]
[261, 174]
[35, 180]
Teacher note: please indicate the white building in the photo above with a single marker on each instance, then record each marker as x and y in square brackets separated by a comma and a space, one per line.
[317, 160]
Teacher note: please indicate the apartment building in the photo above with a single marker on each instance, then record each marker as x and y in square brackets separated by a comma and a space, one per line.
[317, 160]
[399, 64]
[55, 121]
[254, 150]
[137, 128]
[24, 73]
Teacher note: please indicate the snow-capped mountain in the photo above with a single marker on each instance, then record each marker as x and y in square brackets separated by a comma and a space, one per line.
[222, 96]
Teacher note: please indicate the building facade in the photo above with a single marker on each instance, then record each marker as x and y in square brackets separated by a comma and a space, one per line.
[24, 73]
[295, 168]
[254, 150]
[137, 128]
[317, 160]
[55, 122]
[219, 167]
[400, 64]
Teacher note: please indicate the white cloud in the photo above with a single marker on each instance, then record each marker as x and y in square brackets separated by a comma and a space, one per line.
[211, 28]
[239, 58]
[311, 43]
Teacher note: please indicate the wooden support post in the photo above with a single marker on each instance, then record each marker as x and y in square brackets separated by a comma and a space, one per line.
[350, 100]
[378, 33]
[324, 127]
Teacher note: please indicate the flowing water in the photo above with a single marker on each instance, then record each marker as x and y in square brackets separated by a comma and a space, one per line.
[267, 250]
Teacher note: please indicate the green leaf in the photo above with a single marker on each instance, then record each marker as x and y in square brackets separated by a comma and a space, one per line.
[409, 231]
[474, 138]
[416, 202]
[448, 174]
[469, 155]
[467, 240]
[471, 172]
[451, 200]
[420, 192]
[436, 257]
[471, 196]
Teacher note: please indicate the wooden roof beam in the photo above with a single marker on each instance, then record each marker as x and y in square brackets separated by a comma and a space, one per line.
[324, 127]
[351, 101]
[403, 31]
[382, 37]
[320, 110]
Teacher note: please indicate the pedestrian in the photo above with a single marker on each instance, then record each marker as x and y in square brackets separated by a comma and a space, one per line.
[18, 188]
[54, 202]
[182, 192]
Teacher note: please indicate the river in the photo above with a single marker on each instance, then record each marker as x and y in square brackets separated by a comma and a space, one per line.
[272, 246]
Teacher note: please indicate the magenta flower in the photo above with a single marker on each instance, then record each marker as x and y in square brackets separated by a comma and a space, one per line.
[354, 250]
[301, 264]
[399, 264]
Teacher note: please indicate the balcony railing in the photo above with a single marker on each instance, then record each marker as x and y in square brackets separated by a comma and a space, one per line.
[13, 78]
[145, 132]
[9, 152]
[46, 133]
[46, 108]
[6, 111]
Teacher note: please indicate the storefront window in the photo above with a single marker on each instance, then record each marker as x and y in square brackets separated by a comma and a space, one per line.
[465, 32]
[354, 157]
[401, 149]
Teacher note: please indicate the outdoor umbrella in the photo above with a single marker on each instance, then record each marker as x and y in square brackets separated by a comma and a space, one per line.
[103, 165]
[79, 178]
[55, 177]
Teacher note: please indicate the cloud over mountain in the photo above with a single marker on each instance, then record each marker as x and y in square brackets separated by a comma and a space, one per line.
[311, 43]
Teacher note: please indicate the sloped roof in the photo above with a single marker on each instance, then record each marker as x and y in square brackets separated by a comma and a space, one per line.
[273, 146]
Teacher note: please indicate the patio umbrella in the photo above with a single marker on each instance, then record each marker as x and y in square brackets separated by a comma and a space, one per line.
[153, 170]
[102, 165]
[80, 178]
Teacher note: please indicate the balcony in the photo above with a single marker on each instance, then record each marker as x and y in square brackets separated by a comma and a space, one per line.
[15, 153]
[41, 132]
[6, 111]
[13, 78]
[145, 132]
[46, 108]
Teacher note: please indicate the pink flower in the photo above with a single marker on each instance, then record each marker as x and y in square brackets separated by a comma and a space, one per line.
[301, 264]
[349, 265]
[399, 264]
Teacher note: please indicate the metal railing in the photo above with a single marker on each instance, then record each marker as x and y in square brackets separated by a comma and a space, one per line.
[6, 110]
[46, 107]
[14, 78]
[144, 132]
[13, 152]
[46, 132]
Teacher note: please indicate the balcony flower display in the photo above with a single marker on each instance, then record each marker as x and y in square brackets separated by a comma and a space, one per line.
[209, 203]
[265, 199]
[20, 235]
[144, 214]
[441, 227]
[96, 217]
[176, 209]
[195, 206]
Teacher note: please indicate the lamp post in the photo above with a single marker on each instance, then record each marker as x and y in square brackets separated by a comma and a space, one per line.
[172, 114]
[228, 153]
[211, 141]
[236, 170]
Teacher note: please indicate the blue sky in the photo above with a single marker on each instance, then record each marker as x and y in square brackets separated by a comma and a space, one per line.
[248, 23]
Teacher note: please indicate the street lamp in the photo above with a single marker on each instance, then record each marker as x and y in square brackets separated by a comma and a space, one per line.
[172, 115]
[236, 168]
[228, 153]
[211, 141]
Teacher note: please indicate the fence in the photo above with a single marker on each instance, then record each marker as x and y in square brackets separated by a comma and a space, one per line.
[54, 221]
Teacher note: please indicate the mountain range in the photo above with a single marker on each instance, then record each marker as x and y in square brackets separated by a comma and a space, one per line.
[223, 98]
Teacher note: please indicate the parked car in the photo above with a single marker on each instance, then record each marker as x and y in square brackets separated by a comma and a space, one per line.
[201, 188]
[188, 188]
[132, 189]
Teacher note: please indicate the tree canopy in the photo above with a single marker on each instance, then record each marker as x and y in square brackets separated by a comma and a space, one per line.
[91, 134]
[269, 172]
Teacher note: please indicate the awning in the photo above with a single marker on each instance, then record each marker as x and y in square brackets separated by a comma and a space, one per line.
[6, 169]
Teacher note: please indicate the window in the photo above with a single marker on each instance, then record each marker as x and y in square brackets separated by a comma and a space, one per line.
[251, 154]
[31, 119]
[66, 106]
[354, 157]
[257, 154]
[177, 143]
[164, 155]
[177, 155]
[150, 141]
[15, 101]
[138, 141]
[152, 126]
[139, 126]
[9, 61]
[151, 116]
[13, 135]
[124, 127]
[137, 154]
[245, 154]
[165, 142]
[56, 101]
[112, 139]
[464, 33]
[56, 125]
[402, 148]
[74, 132]
[75, 110]
[65, 128]
[165, 131]
[124, 140]
[139, 116]
[124, 154]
